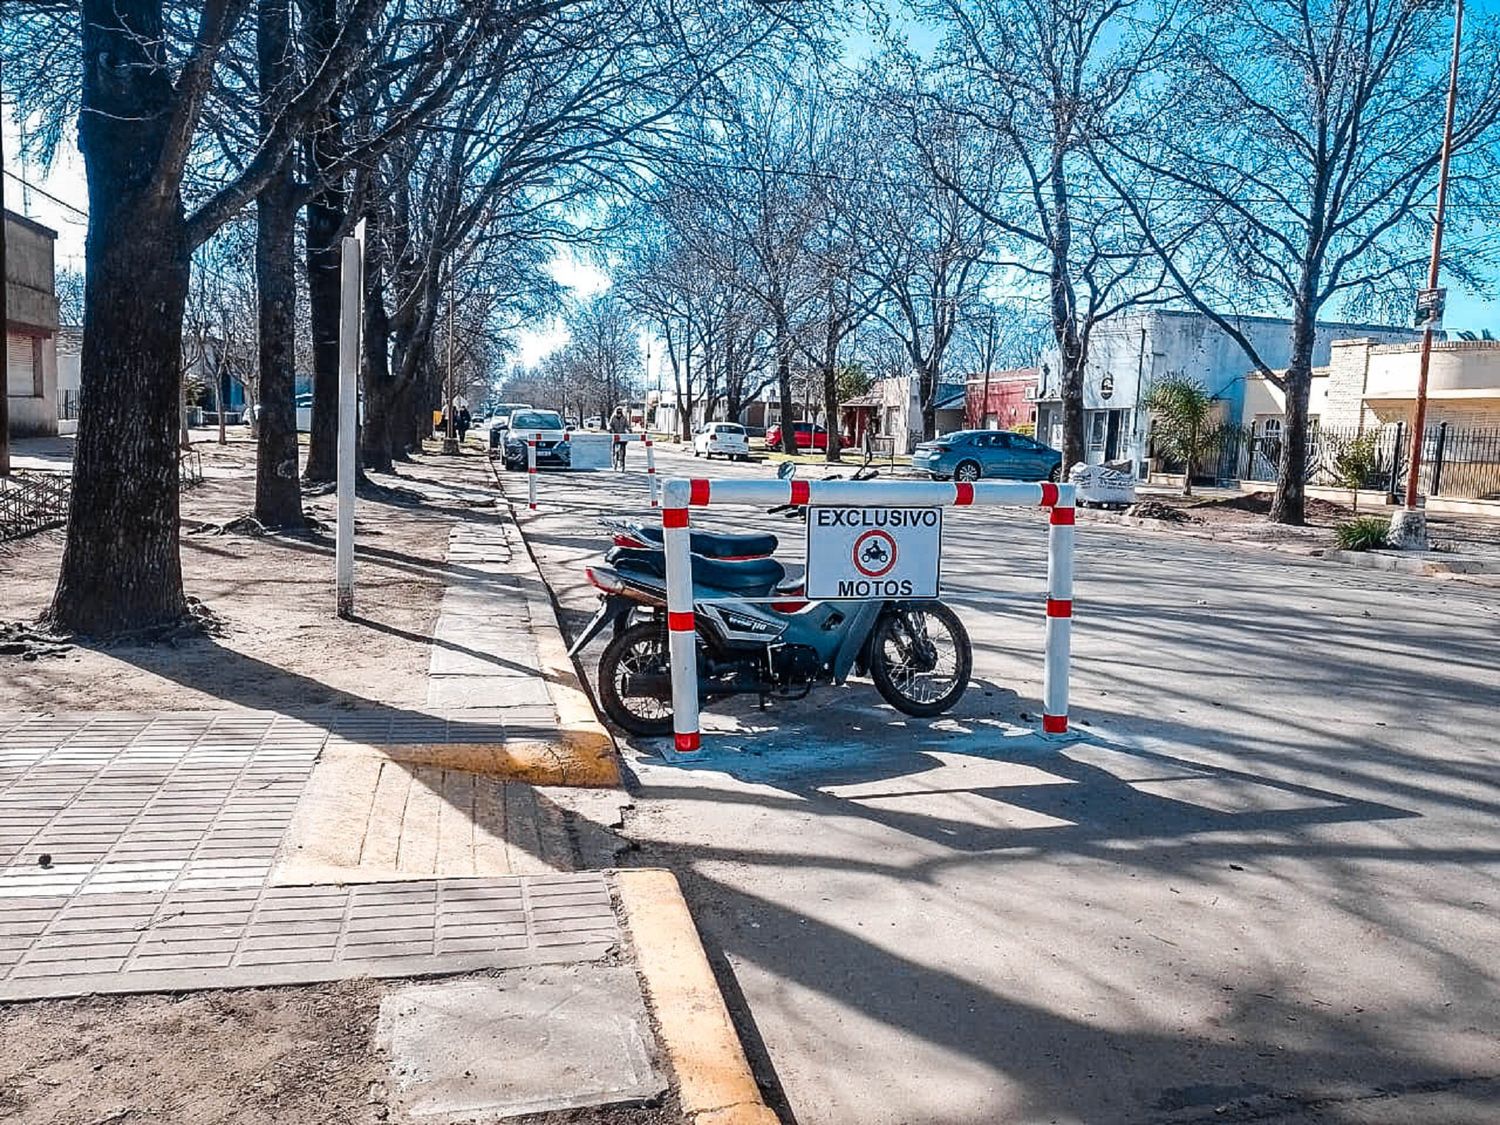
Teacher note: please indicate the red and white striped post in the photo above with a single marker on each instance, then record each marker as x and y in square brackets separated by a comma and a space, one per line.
[531, 471]
[682, 648]
[1058, 642]
[651, 473]
[679, 495]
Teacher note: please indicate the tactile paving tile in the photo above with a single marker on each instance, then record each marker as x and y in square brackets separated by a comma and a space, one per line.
[139, 941]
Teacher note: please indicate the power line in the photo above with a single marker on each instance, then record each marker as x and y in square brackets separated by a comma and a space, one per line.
[45, 194]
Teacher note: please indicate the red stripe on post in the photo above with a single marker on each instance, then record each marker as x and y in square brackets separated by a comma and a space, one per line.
[686, 741]
[680, 622]
[1062, 517]
[1059, 607]
[1049, 494]
[674, 517]
[1055, 724]
[698, 493]
[963, 493]
[801, 492]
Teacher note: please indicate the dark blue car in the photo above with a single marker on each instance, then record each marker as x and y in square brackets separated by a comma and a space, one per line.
[972, 454]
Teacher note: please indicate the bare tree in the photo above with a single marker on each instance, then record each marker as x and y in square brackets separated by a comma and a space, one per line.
[1308, 178]
[1044, 77]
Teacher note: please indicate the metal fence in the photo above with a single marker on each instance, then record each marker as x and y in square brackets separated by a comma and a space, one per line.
[32, 502]
[1456, 462]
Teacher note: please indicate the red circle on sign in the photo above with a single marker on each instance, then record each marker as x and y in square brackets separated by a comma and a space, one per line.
[874, 554]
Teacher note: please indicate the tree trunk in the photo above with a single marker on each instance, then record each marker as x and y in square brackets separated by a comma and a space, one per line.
[325, 220]
[278, 495]
[784, 385]
[927, 394]
[121, 570]
[1289, 504]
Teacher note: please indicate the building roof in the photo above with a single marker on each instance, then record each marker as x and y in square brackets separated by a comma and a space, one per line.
[869, 398]
[1010, 375]
[32, 224]
[950, 396]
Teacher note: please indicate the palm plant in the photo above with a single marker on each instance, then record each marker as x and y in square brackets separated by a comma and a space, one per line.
[1186, 427]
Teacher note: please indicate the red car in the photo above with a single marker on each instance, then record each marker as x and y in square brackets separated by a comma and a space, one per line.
[805, 434]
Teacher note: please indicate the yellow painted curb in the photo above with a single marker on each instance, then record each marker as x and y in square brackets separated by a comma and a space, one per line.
[714, 1081]
[565, 761]
[588, 748]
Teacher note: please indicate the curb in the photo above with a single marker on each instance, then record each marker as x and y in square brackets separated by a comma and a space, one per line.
[1426, 566]
[715, 1084]
[589, 755]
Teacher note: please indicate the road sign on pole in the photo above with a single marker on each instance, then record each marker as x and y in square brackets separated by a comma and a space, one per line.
[873, 552]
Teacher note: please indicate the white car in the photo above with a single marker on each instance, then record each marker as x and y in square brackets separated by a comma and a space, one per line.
[727, 439]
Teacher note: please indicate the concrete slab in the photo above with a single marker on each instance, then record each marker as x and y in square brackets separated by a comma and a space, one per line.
[524, 1042]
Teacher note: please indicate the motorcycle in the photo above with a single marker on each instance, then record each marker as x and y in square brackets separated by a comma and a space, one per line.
[756, 635]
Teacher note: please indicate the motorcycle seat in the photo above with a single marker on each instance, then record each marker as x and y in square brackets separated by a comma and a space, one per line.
[717, 545]
[749, 578]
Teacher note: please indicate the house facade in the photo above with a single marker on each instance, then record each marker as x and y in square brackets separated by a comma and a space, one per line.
[889, 414]
[30, 327]
[1129, 352]
[1003, 400]
[1367, 384]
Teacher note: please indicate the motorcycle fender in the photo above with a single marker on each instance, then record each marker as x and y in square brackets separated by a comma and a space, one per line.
[856, 643]
[611, 607]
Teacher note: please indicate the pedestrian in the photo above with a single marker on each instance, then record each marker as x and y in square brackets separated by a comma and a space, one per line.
[618, 424]
[464, 420]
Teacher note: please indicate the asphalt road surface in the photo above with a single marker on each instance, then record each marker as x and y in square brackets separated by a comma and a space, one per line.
[1262, 887]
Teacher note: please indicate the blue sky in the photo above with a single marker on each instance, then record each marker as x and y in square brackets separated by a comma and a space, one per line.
[66, 213]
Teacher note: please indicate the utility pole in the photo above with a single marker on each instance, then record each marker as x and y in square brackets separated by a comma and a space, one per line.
[1409, 523]
[450, 440]
[4, 327]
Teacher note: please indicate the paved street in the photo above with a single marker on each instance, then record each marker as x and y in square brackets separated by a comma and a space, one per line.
[1263, 886]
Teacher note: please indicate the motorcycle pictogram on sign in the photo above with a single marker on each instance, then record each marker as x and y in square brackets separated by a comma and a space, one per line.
[874, 554]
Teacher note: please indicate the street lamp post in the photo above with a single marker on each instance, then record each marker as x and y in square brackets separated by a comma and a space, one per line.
[1409, 523]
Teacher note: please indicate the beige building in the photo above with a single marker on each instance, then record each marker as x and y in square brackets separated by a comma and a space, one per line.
[30, 327]
[1368, 384]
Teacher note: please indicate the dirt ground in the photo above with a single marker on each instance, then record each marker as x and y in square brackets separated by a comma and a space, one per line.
[271, 1056]
[281, 645]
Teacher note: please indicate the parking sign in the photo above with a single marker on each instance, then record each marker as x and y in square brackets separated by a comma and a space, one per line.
[861, 553]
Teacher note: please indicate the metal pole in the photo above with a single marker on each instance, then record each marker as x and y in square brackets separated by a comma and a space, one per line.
[682, 643]
[1418, 534]
[531, 472]
[349, 329]
[1058, 642]
[651, 474]
[450, 441]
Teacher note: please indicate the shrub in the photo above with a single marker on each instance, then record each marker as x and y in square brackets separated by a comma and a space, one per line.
[1363, 534]
[1356, 461]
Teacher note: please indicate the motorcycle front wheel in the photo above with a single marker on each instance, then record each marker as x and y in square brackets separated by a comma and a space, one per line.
[635, 680]
[921, 658]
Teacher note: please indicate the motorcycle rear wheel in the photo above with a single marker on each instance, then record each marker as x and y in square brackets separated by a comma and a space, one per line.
[640, 649]
[921, 659]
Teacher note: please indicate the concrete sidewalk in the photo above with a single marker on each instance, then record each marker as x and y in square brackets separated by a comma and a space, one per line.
[170, 852]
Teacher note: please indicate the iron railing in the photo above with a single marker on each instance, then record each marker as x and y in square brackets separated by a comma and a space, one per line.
[32, 501]
[1457, 462]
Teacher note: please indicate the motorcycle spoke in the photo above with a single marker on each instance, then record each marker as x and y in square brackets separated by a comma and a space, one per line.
[923, 667]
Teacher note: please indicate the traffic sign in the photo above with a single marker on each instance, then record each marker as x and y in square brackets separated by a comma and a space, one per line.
[859, 553]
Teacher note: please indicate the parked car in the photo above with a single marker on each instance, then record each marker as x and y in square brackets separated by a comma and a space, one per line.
[727, 439]
[805, 434]
[970, 454]
[552, 446]
[499, 420]
[593, 422]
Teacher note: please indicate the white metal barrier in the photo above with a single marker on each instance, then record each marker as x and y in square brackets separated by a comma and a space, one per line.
[530, 437]
[679, 495]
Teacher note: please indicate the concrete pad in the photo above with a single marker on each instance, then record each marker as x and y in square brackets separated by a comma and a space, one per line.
[523, 1042]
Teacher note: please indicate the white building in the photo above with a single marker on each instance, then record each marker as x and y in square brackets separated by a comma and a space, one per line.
[1127, 353]
[30, 327]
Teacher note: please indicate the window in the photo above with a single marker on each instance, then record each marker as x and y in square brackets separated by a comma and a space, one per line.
[23, 366]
